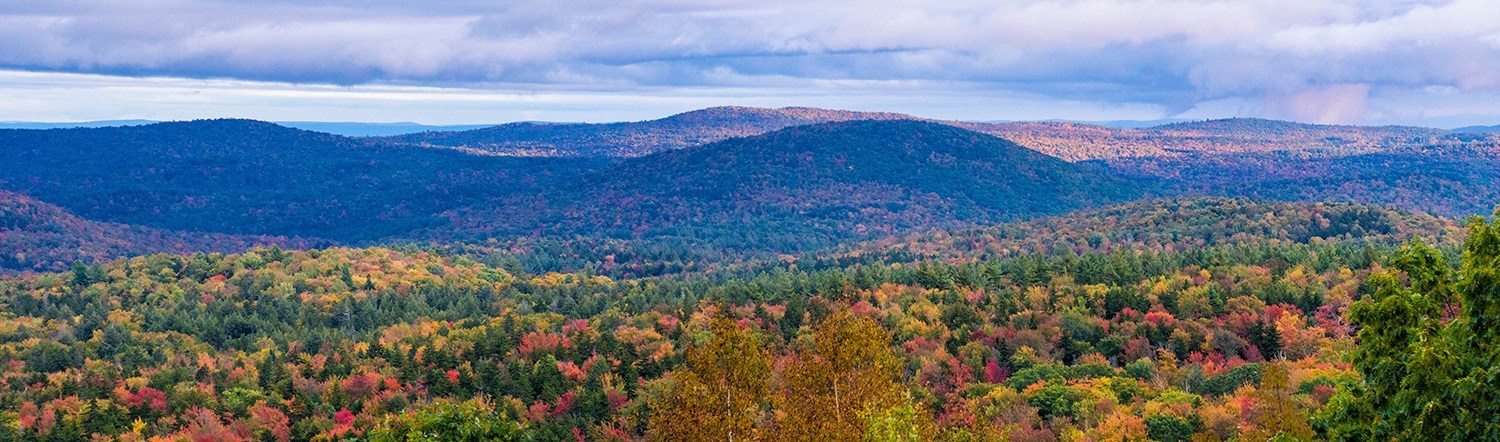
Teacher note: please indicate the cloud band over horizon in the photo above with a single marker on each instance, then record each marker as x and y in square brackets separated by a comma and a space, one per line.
[1384, 61]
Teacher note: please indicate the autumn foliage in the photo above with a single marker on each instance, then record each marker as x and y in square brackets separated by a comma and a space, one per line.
[1247, 339]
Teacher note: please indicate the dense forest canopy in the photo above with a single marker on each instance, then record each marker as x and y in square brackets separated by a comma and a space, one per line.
[1246, 339]
[250, 177]
[750, 274]
[1171, 225]
[41, 237]
[809, 187]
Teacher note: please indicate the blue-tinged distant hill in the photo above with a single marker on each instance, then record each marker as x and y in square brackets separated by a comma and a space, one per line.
[74, 125]
[810, 186]
[799, 178]
[632, 139]
[799, 188]
[1072, 141]
[1477, 129]
[1448, 179]
[348, 129]
[252, 177]
[357, 129]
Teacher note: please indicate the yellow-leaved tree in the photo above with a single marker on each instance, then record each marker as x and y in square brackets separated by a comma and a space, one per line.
[844, 386]
[1278, 416]
[721, 394]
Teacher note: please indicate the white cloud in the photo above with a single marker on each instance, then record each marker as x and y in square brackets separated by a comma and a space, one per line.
[1164, 54]
[40, 96]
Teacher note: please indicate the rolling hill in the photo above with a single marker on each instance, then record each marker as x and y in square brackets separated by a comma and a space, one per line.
[251, 177]
[795, 183]
[356, 129]
[1449, 181]
[1071, 141]
[810, 186]
[36, 236]
[1478, 129]
[632, 139]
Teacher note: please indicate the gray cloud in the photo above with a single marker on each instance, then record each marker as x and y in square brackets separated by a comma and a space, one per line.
[1320, 61]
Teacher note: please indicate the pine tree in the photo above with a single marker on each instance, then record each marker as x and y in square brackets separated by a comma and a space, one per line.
[1424, 378]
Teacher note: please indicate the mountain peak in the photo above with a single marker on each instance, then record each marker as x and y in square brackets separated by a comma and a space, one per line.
[638, 138]
[223, 124]
[821, 181]
[743, 115]
[863, 146]
[1237, 125]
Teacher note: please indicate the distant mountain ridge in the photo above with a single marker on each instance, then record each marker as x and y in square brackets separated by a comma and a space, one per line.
[1073, 141]
[358, 129]
[1070, 140]
[1478, 129]
[632, 139]
[1082, 142]
[73, 125]
[348, 129]
[1260, 127]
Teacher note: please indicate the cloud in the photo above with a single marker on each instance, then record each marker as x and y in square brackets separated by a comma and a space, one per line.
[1327, 104]
[1175, 55]
[45, 96]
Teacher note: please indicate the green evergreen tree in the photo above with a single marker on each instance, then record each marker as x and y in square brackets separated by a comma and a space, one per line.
[1424, 377]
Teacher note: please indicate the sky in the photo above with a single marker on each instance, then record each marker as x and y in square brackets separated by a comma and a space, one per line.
[1434, 63]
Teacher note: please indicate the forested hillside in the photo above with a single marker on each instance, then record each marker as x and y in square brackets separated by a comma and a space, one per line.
[810, 186]
[1172, 226]
[247, 177]
[37, 236]
[635, 138]
[250, 177]
[1453, 181]
[1222, 342]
